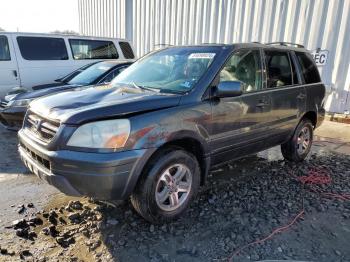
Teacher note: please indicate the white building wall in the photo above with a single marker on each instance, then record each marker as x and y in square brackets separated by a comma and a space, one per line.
[321, 24]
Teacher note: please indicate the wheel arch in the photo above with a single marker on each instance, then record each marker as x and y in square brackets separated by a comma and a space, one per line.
[189, 143]
[194, 147]
[312, 116]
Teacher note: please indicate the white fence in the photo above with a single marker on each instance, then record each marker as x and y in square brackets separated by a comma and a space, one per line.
[323, 24]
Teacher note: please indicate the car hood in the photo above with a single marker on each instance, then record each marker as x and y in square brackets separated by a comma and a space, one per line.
[44, 92]
[100, 102]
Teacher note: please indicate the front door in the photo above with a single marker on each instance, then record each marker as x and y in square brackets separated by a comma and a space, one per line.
[9, 77]
[239, 123]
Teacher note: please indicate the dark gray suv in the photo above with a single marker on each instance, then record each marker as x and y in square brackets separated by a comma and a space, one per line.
[163, 123]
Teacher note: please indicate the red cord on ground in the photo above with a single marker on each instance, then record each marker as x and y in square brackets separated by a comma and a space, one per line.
[315, 176]
[274, 232]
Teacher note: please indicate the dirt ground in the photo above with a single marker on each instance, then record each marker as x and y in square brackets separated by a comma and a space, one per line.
[250, 210]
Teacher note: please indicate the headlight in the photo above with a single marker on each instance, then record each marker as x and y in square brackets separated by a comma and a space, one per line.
[111, 134]
[10, 97]
[20, 102]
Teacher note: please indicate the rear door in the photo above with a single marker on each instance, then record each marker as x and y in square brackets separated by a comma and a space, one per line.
[9, 77]
[240, 123]
[287, 94]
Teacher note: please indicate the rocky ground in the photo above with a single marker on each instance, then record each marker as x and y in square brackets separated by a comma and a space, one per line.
[257, 208]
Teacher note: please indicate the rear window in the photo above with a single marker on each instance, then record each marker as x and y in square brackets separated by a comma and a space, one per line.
[279, 72]
[42, 48]
[127, 50]
[93, 49]
[308, 68]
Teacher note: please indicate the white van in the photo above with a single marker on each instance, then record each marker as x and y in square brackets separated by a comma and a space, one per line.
[29, 59]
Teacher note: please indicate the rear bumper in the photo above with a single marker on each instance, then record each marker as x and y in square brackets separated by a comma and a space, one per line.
[104, 176]
[321, 114]
[12, 117]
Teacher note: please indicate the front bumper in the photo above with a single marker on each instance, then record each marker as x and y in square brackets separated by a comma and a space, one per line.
[105, 176]
[12, 117]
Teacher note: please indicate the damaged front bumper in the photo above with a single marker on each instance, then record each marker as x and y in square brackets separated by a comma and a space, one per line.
[12, 117]
[104, 176]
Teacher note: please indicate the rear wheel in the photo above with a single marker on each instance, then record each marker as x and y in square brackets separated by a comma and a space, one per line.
[299, 146]
[167, 186]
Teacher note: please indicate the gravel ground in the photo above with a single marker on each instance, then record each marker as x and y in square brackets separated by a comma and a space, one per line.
[242, 203]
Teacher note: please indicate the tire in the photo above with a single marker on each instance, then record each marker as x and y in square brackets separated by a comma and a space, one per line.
[169, 173]
[294, 149]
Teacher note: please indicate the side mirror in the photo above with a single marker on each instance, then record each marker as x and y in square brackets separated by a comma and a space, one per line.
[228, 89]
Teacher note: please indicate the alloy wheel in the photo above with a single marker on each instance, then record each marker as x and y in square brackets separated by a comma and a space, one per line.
[303, 142]
[173, 187]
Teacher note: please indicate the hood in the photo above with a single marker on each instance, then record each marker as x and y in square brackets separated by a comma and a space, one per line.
[44, 92]
[100, 102]
[43, 86]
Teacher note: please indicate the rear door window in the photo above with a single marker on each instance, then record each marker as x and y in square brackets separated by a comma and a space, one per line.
[308, 68]
[4, 49]
[278, 66]
[93, 49]
[42, 48]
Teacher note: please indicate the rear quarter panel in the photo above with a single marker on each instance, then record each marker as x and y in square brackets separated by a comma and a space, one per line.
[315, 99]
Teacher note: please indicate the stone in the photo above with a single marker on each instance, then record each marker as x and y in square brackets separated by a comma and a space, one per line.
[112, 222]
[21, 209]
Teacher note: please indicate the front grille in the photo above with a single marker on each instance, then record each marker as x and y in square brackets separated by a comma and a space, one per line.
[41, 161]
[3, 104]
[42, 128]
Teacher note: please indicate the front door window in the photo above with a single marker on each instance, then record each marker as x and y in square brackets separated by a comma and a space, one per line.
[244, 66]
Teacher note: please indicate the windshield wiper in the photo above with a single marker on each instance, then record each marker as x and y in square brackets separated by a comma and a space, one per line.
[145, 88]
[172, 91]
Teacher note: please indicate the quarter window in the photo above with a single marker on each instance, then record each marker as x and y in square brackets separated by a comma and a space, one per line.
[279, 72]
[244, 66]
[42, 48]
[308, 68]
[127, 50]
[93, 49]
[4, 49]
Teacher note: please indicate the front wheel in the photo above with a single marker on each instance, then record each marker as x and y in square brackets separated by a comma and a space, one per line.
[167, 186]
[299, 146]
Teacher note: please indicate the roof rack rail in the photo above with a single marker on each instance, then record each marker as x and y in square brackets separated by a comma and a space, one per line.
[156, 45]
[286, 44]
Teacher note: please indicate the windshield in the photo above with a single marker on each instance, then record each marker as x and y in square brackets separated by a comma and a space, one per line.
[89, 75]
[171, 70]
[71, 75]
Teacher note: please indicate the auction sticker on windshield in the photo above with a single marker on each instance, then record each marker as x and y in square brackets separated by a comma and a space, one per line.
[201, 56]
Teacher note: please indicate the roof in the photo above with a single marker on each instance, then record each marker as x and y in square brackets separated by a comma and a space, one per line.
[60, 35]
[276, 45]
[117, 62]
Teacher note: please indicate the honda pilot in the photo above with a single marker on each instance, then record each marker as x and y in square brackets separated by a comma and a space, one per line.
[156, 132]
